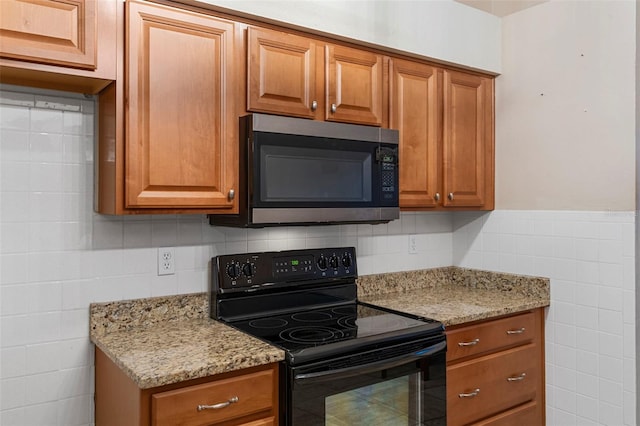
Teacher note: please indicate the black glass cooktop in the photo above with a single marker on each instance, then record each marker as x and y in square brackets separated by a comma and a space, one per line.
[322, 332]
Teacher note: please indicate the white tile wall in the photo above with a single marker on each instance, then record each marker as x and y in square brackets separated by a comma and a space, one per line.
[57, 256]
[590, 328]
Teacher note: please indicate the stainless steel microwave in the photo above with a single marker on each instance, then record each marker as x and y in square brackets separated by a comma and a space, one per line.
[301, 172]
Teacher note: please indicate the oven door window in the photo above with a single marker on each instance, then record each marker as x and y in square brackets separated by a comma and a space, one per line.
[411, 394]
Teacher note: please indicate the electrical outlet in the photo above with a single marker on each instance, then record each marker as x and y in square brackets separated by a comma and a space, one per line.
[413, 244]
[166, 261]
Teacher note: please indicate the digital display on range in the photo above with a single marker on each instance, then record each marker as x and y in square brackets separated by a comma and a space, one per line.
[292, 265]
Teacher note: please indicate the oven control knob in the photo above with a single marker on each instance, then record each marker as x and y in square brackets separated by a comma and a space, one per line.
[322, 263]
[333, 261]
[248, 269]
[346, 260]
[233, 270]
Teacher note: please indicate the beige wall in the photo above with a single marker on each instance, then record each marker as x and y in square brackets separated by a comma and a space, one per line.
[565, 107]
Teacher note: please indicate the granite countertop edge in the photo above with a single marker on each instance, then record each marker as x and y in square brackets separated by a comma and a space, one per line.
[164, 340]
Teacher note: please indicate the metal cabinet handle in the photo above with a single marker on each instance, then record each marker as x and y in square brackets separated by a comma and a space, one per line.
[437, 196]
[334, 108]
[232, 194]
[471, 343]
[518, 331]
[471, 394]
[314, 105]
[218, 406]
[450, 196]
[516, 378]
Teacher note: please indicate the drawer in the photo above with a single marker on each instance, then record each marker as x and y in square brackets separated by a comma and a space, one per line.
[524, 415]
[254, 392]
[493, 383]
[490, 336]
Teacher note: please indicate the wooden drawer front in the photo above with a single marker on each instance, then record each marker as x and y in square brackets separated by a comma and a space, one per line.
[488, 378]
[255, 393]
[524, 415]
[490, 336]
[267, 421]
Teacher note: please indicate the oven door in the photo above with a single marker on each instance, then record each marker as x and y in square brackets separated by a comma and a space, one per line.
[380, 387]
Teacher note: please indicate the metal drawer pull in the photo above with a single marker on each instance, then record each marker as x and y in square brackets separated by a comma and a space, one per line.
[518, 331]
[471, 343]
[475, 392]
[218, 406]
[517, 378]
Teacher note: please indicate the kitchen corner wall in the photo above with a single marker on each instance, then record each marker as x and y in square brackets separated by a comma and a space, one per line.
[591, 323]
[565, 197]
[57, 255]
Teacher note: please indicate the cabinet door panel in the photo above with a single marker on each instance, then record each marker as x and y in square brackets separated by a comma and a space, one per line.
[414, 113]
[281, 73]
[180, 119]
[355, 86]
[56, 32]
[467, 142]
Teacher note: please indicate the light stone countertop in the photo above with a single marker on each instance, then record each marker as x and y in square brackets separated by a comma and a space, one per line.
[164, 340]
[455, 295]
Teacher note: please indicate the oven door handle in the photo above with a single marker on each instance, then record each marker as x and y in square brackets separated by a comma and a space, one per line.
[369, 367]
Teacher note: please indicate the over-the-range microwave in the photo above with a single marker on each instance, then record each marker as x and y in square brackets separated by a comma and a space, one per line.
[301, 172]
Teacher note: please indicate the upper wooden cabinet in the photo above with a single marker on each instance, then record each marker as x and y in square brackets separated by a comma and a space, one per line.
[281, 70]
[415, 113]
[355, 86]
[288, 74]
[445, 120]
[74, 38]
[468, 146]
[179, 149]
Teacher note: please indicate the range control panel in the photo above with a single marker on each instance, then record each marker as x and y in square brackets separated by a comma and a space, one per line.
[243, 272]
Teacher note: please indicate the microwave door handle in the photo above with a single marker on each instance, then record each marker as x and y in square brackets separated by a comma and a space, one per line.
[307, 378]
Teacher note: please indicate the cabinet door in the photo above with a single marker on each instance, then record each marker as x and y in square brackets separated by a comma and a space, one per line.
[181, 122]
[414, 113]
[281, 74]
[355, 86]
[468, 140]
[52, 32]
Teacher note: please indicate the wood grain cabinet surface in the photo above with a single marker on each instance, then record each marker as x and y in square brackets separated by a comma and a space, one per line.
[495, 371]
[246, 397]
[445, 120]
[178, 149]
[282, 74]
[468, 141]
[75, 39]
[288, 74]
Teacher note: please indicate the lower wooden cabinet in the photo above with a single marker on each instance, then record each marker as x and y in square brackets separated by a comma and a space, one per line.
[247, 397]
[495, 371]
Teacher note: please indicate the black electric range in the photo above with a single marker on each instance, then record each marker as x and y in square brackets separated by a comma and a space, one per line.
[305, 302]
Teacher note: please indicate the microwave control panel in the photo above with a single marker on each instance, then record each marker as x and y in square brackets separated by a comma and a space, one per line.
[387, 158]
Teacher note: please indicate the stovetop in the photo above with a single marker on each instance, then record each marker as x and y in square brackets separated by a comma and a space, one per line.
[305, 302]
[319, 333]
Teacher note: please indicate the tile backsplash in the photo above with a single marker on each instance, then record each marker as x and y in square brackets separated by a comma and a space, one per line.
[57, 256]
